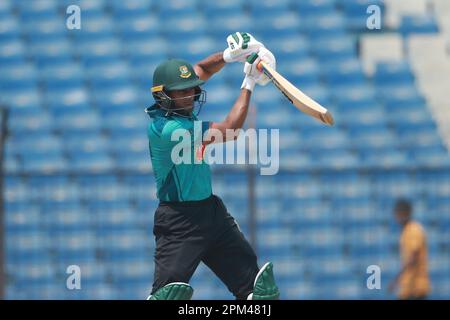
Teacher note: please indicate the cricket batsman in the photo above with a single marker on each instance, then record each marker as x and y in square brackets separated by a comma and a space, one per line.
[191, 224]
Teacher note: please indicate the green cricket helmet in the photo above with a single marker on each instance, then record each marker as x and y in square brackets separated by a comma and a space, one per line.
[175, 74]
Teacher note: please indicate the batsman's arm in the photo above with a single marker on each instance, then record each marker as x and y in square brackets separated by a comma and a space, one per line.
[229, 128]
[209, 66]
[411, 263]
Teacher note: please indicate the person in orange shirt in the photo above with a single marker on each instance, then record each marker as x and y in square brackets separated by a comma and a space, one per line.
[412, 281]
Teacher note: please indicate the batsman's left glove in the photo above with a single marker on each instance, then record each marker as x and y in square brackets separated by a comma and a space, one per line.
[240, 45]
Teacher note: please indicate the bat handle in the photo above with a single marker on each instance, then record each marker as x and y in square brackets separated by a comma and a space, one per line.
[260, 66]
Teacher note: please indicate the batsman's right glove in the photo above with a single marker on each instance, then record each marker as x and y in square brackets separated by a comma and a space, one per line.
[253, 74]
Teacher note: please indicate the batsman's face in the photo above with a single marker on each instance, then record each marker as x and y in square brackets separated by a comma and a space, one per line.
[183, 98]
[401, 217]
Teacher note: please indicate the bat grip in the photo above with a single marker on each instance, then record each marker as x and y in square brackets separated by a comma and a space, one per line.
[259, 66]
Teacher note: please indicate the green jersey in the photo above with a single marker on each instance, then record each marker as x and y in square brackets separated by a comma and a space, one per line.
[177, 179]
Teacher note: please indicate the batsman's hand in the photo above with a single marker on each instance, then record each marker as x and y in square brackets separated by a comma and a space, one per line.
[268, 57]
[240, 45]
[252, 70]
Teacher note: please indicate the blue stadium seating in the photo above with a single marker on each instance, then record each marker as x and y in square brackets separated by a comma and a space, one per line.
[9, 31]
[177, 8]
[268, 7]
[139, 28]
[310, 8]
[271, 26]
[293, 47]
[418, 24]
[221, 27]
[5, 9]
[224, 8]
[12, 53]
[78, 182]
[393, 74]
[154, 48]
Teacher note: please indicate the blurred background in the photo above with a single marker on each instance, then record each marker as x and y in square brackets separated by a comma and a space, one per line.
[77, 182]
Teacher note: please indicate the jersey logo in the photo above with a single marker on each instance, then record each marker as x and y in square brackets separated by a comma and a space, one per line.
[184, 72]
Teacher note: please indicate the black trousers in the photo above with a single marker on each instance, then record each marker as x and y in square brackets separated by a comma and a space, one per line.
[193, 231]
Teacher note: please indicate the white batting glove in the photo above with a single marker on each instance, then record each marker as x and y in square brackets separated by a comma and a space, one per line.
[251, 67]
[251, 72]
[240, 45]
[268, 57]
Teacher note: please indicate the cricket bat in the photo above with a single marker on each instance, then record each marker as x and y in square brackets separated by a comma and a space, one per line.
[295, 96]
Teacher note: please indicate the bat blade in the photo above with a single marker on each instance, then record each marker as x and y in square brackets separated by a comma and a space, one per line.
[299, 99]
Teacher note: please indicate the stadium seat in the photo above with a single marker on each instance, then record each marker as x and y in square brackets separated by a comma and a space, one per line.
[40, 9]
[139, 27]
[176, 8]
[225, 8]
[99, 51]
[12, 53]
[221, 27]
[268, 7]
[32, 122]
[410, 135]
[110, 76]
[63, 77]
[68, 220]
[289, 47]
[309, 213]
[44, 29]
[318, 242]
[23, 218]
[52, 53]
[272, 242]
[44, 162]
[134, 161]
[188, 27]
[310, 8]
[154, 48]
[377, 137]
[321, 140]
[78, 179]
[27, 246]
[67, 98]
[417, 24]
[94, 28]
[301, 72]
[271, 26]
[433, 156]
[346, 73]
[92, 161]
[393, 74]
[9, 27]
[80, 121]
[5, 8]
[21, 77]
[44, 145]
[386, 158]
